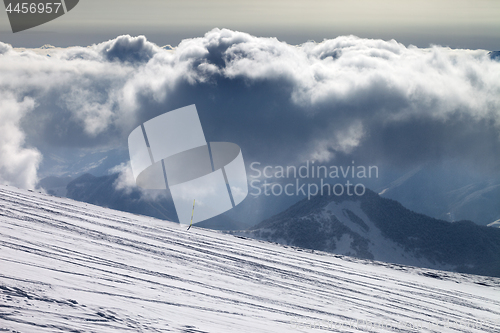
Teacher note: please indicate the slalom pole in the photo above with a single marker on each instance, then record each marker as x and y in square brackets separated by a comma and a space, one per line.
[192, 213]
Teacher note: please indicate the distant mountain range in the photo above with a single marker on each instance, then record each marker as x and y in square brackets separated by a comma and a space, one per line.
[101, 191]
[377, 228]
[55, 185]
[447, 194]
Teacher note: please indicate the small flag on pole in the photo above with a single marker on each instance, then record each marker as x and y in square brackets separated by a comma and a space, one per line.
[192, 213]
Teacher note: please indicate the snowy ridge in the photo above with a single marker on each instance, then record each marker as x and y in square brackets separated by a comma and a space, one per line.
[70, 266]
[376, 228]
[354, 222]
[380, 247]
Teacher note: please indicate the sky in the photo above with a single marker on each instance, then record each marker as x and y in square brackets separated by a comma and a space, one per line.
[331, 81]
[455, 23]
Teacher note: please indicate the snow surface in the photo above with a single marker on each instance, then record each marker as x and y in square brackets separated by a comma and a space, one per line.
[495, 224]
[70, 266]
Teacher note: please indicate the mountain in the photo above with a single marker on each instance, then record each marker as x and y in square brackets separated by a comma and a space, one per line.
[101, 191]
[55, 185]
[69, 266]
[447, 193]
[442, 192]
[377, 228]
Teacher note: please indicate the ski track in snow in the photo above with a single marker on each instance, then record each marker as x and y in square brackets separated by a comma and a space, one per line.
[73, 267]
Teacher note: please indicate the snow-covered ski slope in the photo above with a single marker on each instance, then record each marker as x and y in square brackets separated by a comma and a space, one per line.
[67, 266]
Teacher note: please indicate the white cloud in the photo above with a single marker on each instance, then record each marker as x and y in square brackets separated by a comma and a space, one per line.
[18, 164]
[125, 180]
[342, 140]
[343, 95]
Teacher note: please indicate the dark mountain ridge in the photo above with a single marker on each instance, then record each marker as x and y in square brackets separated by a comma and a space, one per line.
[324, 222]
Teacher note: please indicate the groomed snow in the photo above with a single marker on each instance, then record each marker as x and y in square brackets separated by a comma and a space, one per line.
[70, 266]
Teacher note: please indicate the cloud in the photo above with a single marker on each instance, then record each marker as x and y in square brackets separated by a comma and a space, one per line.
[345, 98]
[4, 48]
[128, 49]
[18, 164]
[125, 182]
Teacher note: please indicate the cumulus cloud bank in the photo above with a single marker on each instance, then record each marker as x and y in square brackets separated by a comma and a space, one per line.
[18, 165]
[348, 97]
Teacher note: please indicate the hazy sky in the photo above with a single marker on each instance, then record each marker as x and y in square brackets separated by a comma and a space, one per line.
[455, 23]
